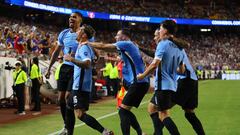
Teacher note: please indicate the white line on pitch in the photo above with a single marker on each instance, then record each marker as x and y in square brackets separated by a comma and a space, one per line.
[99, 118]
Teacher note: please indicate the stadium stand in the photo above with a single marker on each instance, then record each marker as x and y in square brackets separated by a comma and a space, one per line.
[209, 51]
[183, 9]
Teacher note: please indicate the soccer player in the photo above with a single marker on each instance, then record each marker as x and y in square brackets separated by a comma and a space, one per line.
[168, 59]
[68, 43]
[133, 65]
[186, 95]
[82, 83]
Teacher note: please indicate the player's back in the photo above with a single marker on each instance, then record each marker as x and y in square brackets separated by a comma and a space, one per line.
[189, 69]
[132, 61]
[171, 57]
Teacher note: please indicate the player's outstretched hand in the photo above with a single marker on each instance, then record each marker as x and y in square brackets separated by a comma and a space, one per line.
[68, 57]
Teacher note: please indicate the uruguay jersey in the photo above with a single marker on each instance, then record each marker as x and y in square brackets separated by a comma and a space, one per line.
[133, 63]
[68, 40]
[171, 57]
[82, 78]
[189, 69]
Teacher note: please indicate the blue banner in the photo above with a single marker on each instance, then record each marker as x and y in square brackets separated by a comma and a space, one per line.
[146, 19]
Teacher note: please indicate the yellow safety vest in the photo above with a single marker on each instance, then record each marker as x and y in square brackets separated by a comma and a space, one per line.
[114, 73]
[21, 78]
[57, 71]
[35, 72]
[107, 69]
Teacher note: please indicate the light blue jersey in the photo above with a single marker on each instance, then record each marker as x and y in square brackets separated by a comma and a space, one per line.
[189, 69]
[171, 57]
[82, 78]
[67, 39]
[133, 63]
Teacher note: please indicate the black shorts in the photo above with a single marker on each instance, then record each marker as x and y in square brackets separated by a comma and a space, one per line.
[78, 100]
[65, 80]
[163, 99]
[187, 93]
[135, 94]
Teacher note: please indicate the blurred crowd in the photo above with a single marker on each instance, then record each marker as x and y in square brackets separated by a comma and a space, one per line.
[23, 38]
[212, 51]
[216, 52]
[185, 9]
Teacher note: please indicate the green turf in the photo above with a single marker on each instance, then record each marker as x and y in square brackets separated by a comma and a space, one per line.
[218, 110]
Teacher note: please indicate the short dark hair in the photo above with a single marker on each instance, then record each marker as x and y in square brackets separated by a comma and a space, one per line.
[79, 14]
[126, 31]
[90, 32]
[35, 60]
[170, 25]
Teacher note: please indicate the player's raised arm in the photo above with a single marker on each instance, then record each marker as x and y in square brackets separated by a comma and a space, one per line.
[103, 46]
[180, 42]
[53, 59]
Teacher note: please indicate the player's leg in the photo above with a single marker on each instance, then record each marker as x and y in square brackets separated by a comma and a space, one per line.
[70, 116]
[64, 84]
[62, 103]
[69, 110]
[153, 112]
[164, 100]
[89, 120]
[125, 116]
[134, 97]
[191, 104]
[81, 105]
[194, 121]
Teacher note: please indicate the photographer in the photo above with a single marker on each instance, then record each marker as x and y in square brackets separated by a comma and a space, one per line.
[19, 80]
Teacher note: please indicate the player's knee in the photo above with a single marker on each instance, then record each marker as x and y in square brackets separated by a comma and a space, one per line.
[164, 114]
[126, 107]
[79, 113]
[152, 108]
[189, 110]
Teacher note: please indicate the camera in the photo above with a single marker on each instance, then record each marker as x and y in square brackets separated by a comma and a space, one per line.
[8, 66]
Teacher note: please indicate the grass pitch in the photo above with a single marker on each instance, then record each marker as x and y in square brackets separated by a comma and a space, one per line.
[219, 109]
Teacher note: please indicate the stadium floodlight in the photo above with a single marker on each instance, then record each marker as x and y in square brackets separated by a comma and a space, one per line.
[133, 23]
[205, 30]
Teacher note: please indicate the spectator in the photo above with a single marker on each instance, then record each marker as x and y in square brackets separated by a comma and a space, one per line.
[19, 43]
[45, 45]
